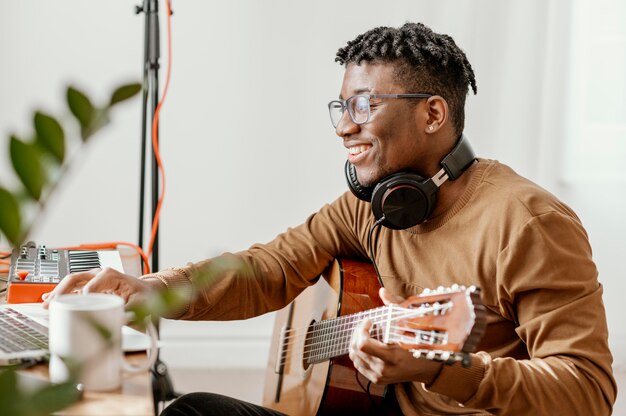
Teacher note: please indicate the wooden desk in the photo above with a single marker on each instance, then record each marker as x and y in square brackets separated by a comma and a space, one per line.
[134, 397]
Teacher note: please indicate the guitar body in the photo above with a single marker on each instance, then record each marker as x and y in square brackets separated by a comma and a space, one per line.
[328, 387]
[309, 370]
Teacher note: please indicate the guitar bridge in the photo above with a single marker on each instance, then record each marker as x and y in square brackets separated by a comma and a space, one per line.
[281, 353]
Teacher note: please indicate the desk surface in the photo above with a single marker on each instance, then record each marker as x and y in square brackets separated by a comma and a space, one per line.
[134, 397]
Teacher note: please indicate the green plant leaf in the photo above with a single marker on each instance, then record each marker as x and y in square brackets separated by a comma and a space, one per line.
[99, 120]
[8, 381]
[10, 220]
[80, 106]
[50, 135]
[9, 394]
[54, 397]
[124, 93]
[27, 164]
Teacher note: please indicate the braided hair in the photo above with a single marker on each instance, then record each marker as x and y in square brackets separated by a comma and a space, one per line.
[425, 61]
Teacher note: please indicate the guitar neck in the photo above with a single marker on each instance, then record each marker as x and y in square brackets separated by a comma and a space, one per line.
[331, 338]
[392, 324]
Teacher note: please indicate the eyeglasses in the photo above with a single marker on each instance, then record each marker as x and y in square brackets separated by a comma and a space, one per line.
[359, 106]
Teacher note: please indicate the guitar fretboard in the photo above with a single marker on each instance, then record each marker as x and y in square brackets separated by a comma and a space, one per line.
[331, 338]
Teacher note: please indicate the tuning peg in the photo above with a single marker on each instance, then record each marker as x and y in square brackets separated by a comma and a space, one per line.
[440, 289]
[416, 353]
[431, 355]
[466, 361]
[426, 291]
[455, 287]
[445, 355]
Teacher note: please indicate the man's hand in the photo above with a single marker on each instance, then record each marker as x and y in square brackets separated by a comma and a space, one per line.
[105, 280]
[387, 363]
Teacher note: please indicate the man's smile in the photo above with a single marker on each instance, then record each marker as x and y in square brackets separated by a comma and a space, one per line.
[358, 152]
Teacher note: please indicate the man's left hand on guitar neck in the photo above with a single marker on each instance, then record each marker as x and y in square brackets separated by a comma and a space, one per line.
[388, 363]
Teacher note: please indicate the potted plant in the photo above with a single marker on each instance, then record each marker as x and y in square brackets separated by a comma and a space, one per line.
[40, 163]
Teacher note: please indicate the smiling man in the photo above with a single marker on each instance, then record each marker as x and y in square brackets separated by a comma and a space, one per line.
[442, 217]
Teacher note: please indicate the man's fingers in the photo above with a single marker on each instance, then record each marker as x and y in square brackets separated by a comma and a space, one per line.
[106, 280]
[362, 343]
[111, 281]
[375, 350]
[361, 333]
[72, 283]
[388, 298]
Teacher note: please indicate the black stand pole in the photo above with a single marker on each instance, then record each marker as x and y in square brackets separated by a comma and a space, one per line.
[151, 93]
[162, 388]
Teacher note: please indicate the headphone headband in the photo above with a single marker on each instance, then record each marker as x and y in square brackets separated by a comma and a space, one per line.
[458, 159]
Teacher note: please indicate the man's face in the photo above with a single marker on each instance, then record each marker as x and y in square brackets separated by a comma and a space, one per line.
[393, 139]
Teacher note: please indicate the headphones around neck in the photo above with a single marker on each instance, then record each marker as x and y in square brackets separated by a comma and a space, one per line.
[405, 199]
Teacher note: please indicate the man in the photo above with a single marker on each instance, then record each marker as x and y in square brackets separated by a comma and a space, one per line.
[401, 111]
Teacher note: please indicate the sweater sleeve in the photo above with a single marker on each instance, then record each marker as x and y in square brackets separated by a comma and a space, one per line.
[547, 285]
[266, 277]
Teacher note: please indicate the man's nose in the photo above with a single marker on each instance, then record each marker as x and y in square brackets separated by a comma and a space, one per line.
[346, 126]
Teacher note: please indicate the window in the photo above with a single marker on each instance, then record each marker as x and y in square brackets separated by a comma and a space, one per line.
[595, 149]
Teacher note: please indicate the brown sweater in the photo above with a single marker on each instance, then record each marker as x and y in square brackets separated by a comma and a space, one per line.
[545, 350]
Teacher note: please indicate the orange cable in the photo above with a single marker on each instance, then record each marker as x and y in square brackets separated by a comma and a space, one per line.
[155, 126]
[113, 245]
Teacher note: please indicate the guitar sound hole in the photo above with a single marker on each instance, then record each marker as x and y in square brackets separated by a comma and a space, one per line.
[308, 355]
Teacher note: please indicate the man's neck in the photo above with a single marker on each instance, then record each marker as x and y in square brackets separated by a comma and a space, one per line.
[451, 191]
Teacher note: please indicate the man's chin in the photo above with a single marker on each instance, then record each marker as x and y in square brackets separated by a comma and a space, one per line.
[368, 182]
[368, 179]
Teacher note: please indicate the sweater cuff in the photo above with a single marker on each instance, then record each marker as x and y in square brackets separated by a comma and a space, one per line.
[177, 281]
[458, 382]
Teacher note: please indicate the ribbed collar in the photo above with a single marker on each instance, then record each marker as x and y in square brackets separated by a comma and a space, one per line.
[477, 171]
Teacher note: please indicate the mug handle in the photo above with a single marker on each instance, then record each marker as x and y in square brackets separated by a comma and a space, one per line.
[152, 354]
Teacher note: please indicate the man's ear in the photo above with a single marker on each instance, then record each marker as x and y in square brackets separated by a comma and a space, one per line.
[437, 109]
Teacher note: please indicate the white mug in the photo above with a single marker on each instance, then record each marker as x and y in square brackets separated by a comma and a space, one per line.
[85, 334]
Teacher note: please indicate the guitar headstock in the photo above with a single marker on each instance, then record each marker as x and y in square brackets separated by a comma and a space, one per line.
[443, 324]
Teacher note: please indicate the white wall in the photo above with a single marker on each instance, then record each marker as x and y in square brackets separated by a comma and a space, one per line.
[246, 139]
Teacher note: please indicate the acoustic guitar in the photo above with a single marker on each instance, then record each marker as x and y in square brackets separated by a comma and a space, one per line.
[309, 371]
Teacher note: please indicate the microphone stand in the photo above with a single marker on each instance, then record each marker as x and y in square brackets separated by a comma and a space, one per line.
[162, 388]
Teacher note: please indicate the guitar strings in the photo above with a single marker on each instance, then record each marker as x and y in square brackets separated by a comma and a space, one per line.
[378, 316]
[339, 346]
[344, 326]
[427, 337]
[339, 331]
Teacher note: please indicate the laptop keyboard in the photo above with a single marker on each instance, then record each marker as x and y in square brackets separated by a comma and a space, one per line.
[20, 333]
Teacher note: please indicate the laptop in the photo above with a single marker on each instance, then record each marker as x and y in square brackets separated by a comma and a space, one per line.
[22, 338]
[24, 334]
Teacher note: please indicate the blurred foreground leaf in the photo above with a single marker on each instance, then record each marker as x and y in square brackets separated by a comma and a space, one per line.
[124, 92]
[50, 135]
[27, 164]
[10, 219]
[41, 163]
[17, 400]
[80, 106]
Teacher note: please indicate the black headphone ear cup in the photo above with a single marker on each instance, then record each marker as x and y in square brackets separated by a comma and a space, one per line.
[364, 193]
[404, 200]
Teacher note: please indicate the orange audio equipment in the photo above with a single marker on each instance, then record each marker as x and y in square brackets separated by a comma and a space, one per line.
[36, 270]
